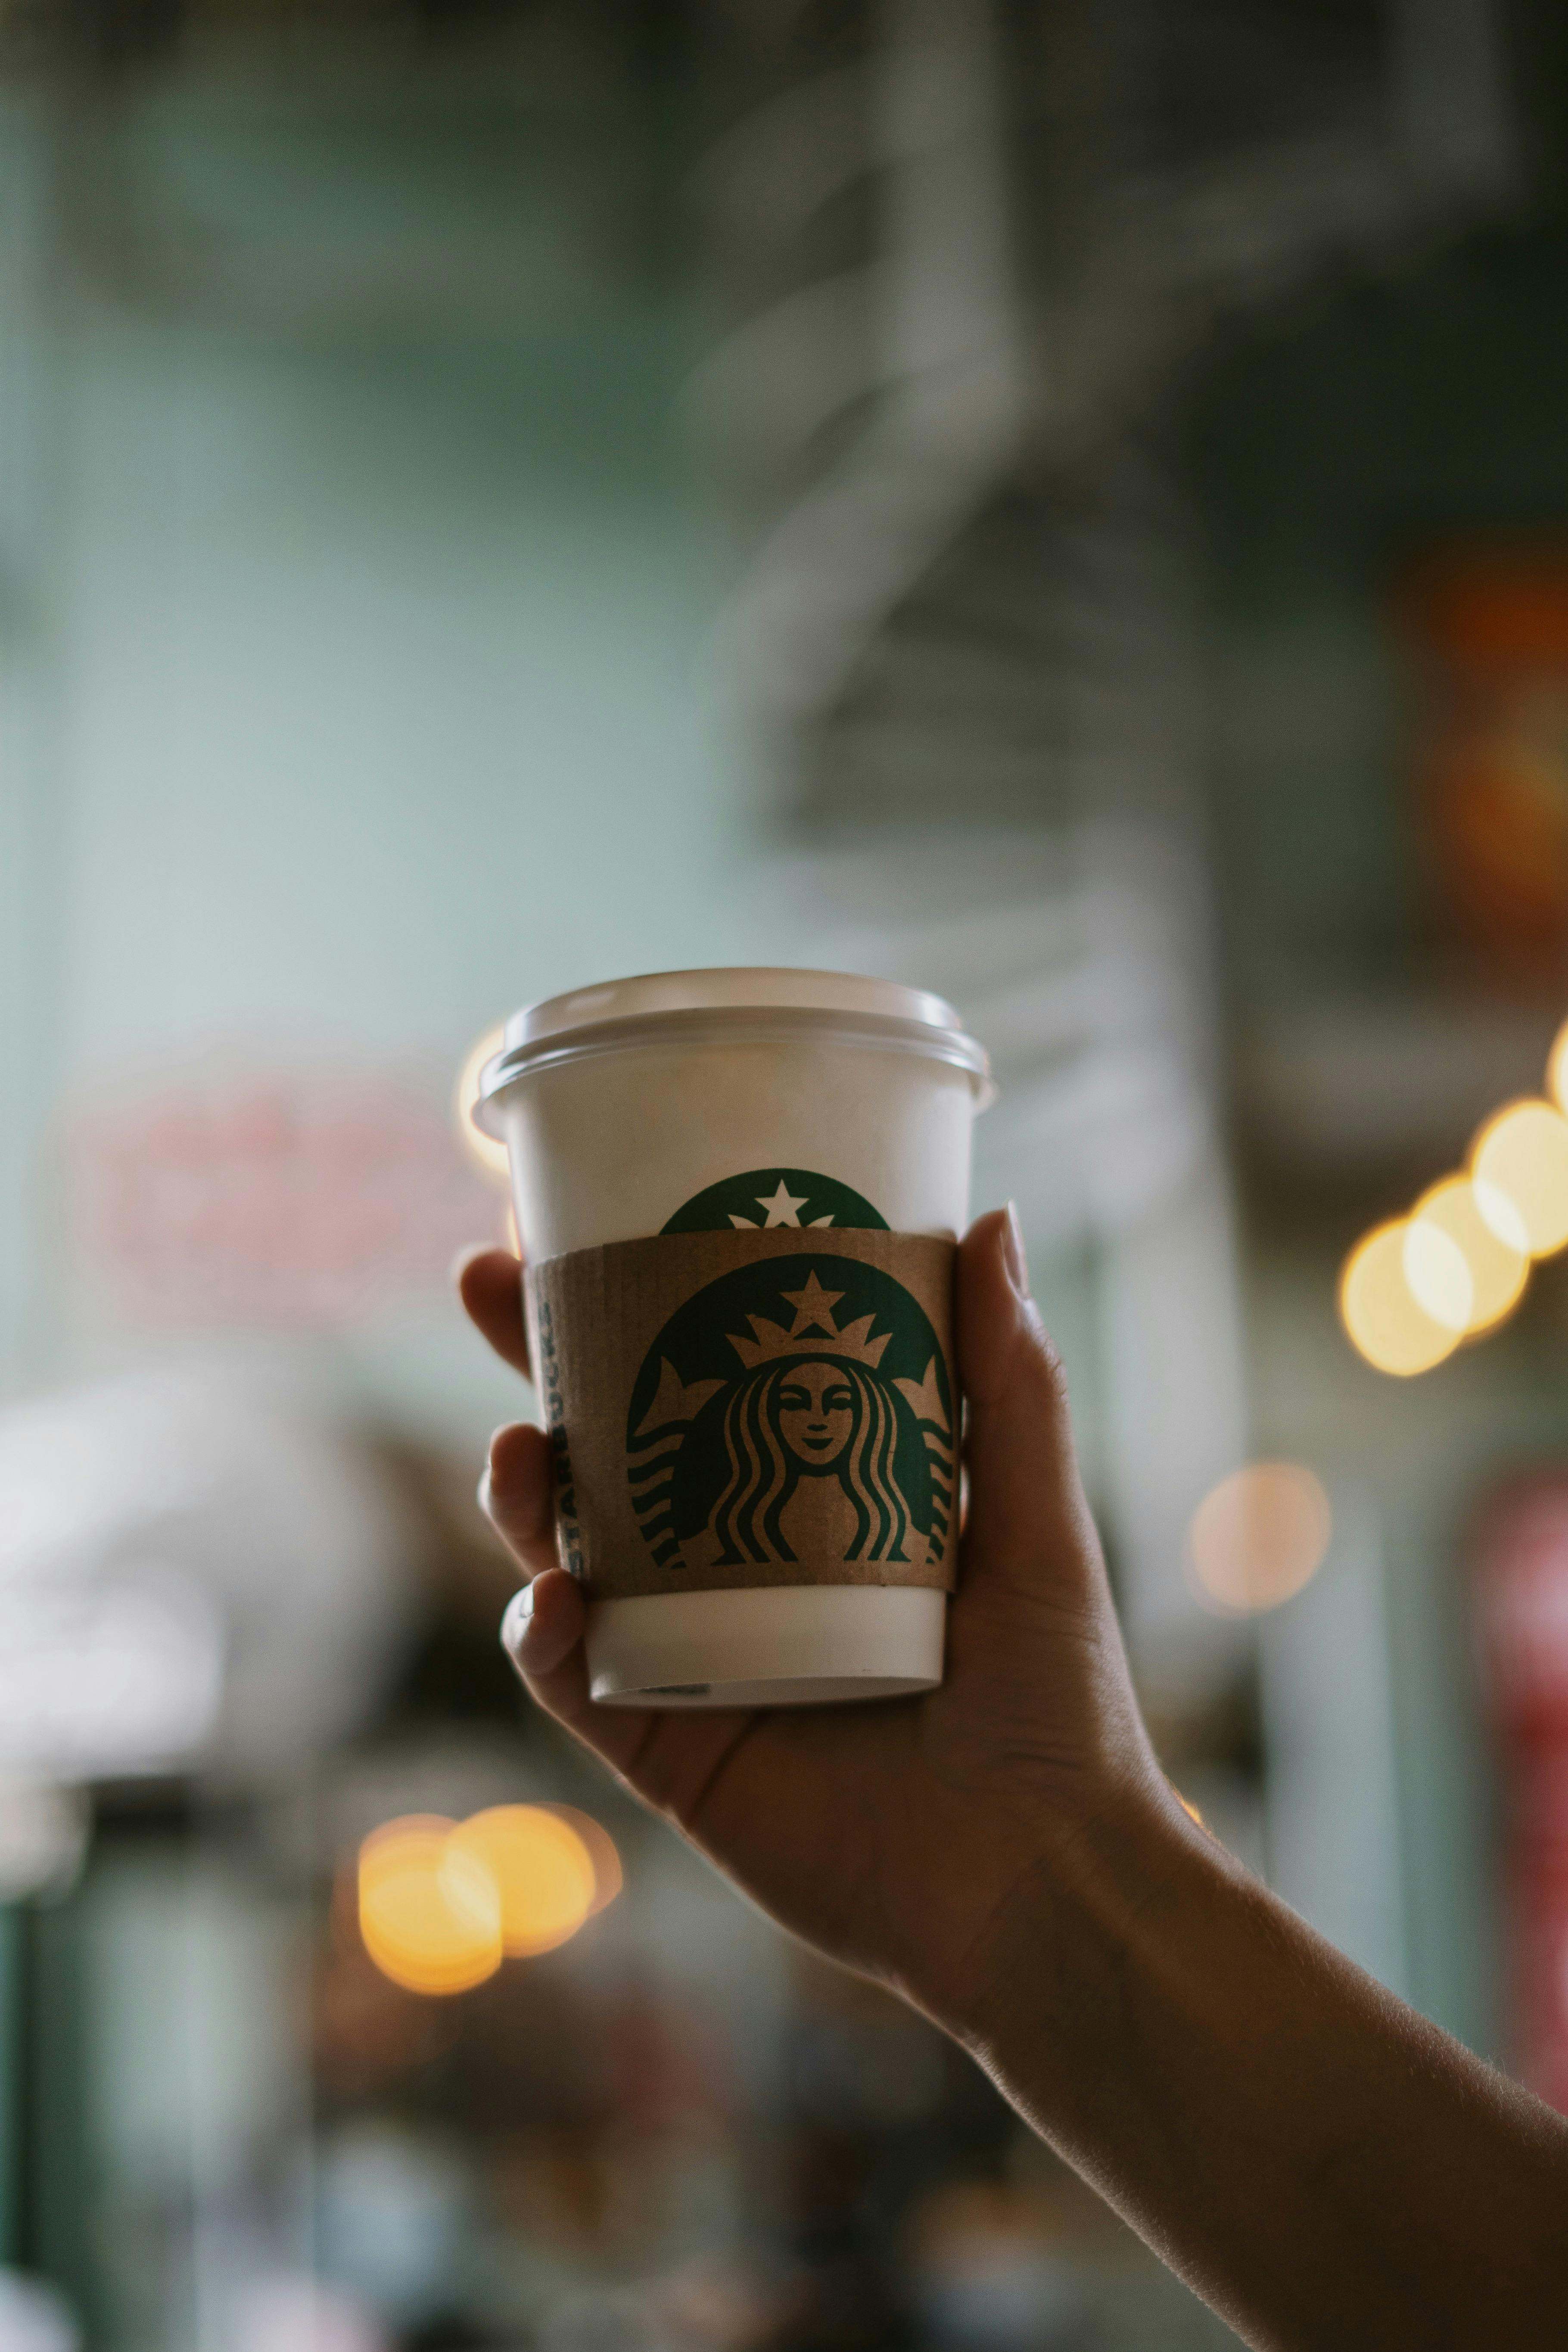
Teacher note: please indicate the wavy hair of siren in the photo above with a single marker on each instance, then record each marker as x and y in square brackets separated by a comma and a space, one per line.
[764, 1471]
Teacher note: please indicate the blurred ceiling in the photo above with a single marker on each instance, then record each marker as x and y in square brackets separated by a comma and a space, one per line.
[1016, 232]
[968, 260]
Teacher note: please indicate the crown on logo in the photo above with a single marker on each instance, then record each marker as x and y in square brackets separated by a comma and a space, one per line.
[813, 1332]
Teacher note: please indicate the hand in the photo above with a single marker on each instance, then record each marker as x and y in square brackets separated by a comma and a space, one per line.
[1322, 2164]
[893, 1836]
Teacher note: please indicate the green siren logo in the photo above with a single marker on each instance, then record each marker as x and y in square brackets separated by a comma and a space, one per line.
[773, 1196]
[796, 1409]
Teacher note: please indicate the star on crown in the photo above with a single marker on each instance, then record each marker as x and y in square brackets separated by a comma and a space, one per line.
[812, 1333]
[783, 1207]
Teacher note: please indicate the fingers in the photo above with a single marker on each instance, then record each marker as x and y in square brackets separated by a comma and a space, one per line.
[672, 1761]
[517, 1496]
[541, 1632]
[1027, 1517]
[489, 1284]
[542, 1628]
[542, 1625]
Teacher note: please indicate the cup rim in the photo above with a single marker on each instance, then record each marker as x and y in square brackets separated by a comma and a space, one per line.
[728, 1005]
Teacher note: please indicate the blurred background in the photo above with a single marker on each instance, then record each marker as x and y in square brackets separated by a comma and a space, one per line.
[1067, 504]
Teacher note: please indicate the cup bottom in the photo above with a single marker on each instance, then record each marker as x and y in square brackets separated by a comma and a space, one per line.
[774, 1645]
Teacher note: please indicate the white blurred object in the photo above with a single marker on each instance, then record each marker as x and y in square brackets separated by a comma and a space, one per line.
[33, 2317]
[103, 1676]
[1175, 1388]
[43, 1835]
[1017, 2302]
[393, 2219]
[189, 1573]
[296, 2314]
[1327, 1687]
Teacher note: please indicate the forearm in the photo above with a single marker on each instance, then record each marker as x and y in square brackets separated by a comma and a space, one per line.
[1323, 2166]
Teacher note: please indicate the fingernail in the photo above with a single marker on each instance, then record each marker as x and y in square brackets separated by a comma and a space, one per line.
[462, 1259]
[487, 1477]
[515, 1625]
[1013, 1248]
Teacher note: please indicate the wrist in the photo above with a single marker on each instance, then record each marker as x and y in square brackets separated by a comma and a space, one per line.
[1082, 1892]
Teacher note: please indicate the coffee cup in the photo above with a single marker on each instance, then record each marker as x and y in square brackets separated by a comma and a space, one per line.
[738, 1194]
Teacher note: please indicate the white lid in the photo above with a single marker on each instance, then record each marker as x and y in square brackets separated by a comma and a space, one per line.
[726, 1001]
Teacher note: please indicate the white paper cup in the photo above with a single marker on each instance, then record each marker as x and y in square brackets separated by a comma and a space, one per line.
[645, 1102]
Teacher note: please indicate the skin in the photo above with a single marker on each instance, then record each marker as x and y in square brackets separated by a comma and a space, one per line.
[815, 1413]
[1326, 2169]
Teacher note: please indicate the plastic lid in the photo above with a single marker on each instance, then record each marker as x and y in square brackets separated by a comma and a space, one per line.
[727, 1000]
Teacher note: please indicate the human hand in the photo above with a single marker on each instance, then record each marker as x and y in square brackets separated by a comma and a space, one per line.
[893, 1836]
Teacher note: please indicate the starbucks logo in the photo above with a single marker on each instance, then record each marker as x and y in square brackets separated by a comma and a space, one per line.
[775, 1196]
[796, 1409]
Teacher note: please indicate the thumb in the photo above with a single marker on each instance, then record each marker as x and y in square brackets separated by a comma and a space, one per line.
[1029, 1524]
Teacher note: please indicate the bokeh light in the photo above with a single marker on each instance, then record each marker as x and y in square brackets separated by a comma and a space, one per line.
[1437, 1274]
[541, 1870]
[1557, 1068]
[1384, 1320]
[1259, 1536]
[1498, 1268]
[601, 1850]
[1521, 1155]
[482, 1149]
[441, 1903]
[430, 1914]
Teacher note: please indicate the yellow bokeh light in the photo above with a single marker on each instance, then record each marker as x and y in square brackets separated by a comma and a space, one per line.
[1384, 1319]
[441, 1903]
[1522, 1155]
[1499, 1217]
[601, 1847]
[482, 1149]
[430, 1916]
[1258, 1535]
[541, 1870]
[1557, 1068]
[1498, 1267]
[1438, 1273]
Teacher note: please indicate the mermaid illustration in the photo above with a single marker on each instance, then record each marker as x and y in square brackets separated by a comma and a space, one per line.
[811, 1448]
[812, 1452]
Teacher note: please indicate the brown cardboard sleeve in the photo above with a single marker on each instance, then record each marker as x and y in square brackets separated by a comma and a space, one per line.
[685, 1377]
